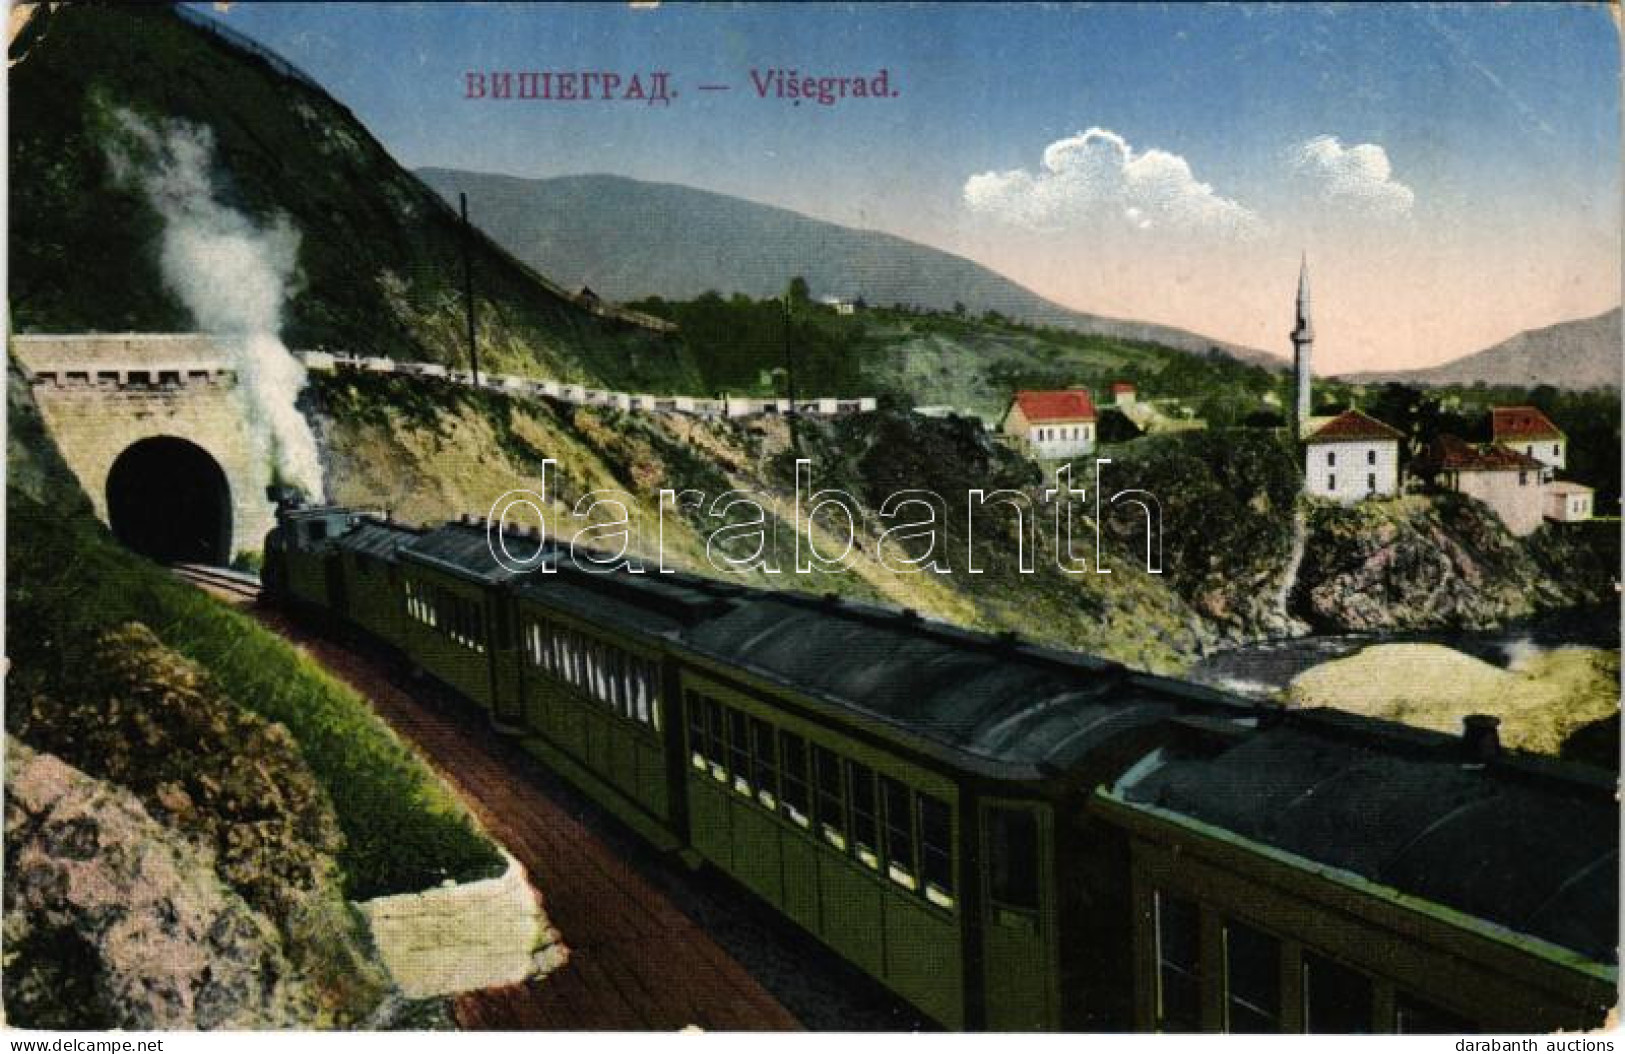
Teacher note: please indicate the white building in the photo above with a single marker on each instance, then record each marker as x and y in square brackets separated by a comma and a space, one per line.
[1568, 502]
[1509, 481]
[1351, 456]
[1529, 432]
[1054, 424]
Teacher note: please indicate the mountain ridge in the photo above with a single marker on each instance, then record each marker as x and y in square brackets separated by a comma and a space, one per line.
[1588, 350]
[690, 241]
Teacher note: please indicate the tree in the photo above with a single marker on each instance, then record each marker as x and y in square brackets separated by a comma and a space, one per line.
[797, 293]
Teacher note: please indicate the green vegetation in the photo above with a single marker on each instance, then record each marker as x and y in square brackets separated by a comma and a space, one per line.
[68, 583]
[749, 346]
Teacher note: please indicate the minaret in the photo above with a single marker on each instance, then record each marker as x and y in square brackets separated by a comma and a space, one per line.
[1303, 343]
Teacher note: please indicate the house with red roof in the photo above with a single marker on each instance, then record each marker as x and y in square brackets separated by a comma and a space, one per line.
[1123, 393]
[1529, 432]
[1350, 456]
[1509, 481]
[1055, 424]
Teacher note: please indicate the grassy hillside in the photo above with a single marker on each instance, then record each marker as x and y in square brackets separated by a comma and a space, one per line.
[745, 345]
[379, 267]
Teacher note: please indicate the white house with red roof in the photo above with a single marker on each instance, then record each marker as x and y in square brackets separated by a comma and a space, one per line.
[1529, 432]
[1349, 457]
[1510, 482]
[1055, 424]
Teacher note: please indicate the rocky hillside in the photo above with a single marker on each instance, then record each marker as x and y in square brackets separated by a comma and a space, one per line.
[1228, 500]
[378, 267]
[427, 451]
[1445, 560]
[204, 828]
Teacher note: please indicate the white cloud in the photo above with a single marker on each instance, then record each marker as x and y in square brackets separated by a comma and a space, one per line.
[1357, 177]
[1097, 176]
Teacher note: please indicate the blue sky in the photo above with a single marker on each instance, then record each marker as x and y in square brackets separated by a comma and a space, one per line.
[1461, 150]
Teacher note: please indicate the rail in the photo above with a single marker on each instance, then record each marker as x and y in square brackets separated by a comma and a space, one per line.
[221, 578]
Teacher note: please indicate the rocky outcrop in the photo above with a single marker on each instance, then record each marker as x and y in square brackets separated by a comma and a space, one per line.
[1422, 562]
[113, 920]
[459, 938]
[231, 787]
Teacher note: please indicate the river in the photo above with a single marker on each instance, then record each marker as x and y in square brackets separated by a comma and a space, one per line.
[1266, 667]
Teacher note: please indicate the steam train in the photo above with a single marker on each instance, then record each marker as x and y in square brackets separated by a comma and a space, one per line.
[1007, 836]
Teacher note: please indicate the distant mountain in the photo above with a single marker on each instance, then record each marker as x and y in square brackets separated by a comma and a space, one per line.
[1584, 353]
[379, 262]
[627, 239]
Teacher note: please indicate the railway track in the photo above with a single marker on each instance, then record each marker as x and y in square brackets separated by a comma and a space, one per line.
[219, 579]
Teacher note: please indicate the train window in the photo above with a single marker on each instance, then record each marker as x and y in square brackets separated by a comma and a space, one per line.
[767, 763]
[648, 700]
[1252, 980]
[1013, 848]
[936, 851]
[1336, 999]
[615, 666]
[1179, 964]
[865, 817]
[899, 805]
[1415, 1016]
[697, 748]
[831, 797]
[739, 750]
[797, 794]
[716, 736]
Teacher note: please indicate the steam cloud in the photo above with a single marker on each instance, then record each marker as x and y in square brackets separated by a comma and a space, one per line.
[232, 275]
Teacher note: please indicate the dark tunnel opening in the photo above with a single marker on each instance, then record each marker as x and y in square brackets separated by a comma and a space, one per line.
[168, 499]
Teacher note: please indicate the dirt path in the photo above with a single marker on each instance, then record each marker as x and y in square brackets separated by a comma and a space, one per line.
[636, 960]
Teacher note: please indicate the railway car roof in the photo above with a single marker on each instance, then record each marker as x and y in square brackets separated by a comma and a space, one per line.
[1536, 855]
[464, 549]
[376, 539]
[991, 697]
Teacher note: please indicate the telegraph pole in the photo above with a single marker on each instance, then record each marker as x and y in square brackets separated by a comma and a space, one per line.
[790, 375]
[468, 292]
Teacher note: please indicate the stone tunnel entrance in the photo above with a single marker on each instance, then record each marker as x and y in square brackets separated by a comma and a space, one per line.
[168, 499]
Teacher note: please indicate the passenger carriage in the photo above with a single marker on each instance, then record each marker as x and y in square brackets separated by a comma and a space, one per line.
[1008, 836]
